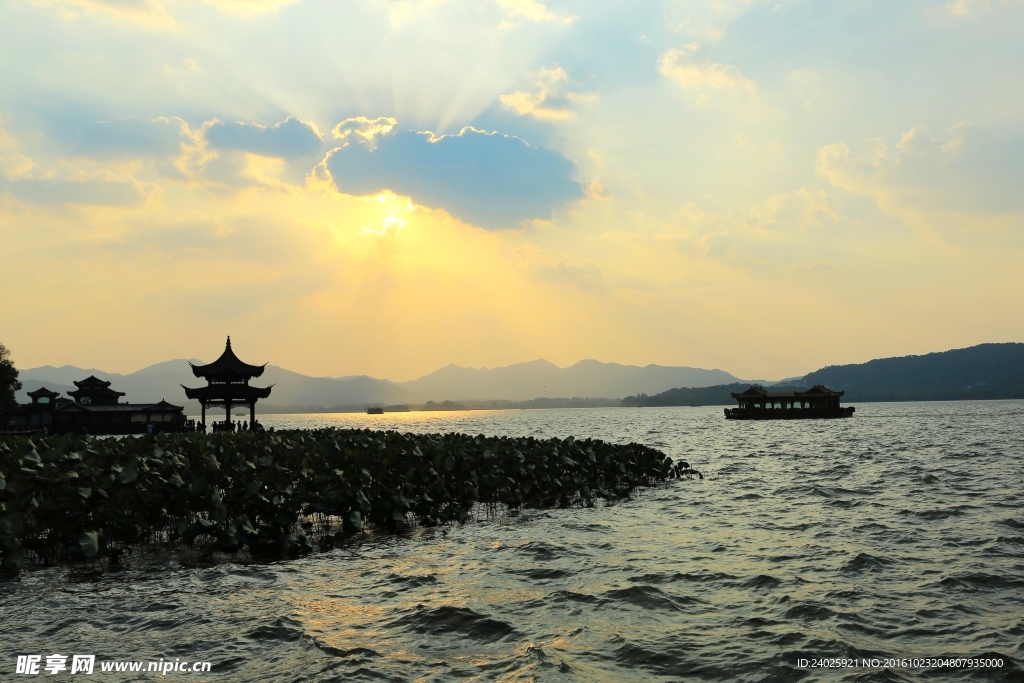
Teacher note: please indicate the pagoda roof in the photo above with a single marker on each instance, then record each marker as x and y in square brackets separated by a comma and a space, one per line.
[227, 368]
[165, 405]
[43, 392]
[91, 382]
[94, 387]
[236, 393]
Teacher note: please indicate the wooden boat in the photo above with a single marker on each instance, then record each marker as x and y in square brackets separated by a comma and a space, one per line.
[757, 403]
[375, 411]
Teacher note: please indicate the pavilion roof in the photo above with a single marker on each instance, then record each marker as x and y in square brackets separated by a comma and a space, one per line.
[43, 392]
[227, 368]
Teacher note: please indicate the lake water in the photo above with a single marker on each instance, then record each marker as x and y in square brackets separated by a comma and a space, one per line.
[897, 533]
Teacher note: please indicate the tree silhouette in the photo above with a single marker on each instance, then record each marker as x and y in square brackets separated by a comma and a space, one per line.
[8, 380]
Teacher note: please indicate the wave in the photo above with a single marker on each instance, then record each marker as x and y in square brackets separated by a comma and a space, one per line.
[460, 620]
[978, 580]
[809, 612]
[649, 597]
[541, 573]
[863, 562]
[409, 581]
[282, 628]
[762, 581]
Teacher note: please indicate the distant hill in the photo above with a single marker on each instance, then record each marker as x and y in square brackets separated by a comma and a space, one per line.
[164, 380]
[540, 378]
[522, 382]
[719, 395]
[986, 371]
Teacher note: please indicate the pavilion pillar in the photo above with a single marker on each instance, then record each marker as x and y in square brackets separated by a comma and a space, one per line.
[252, 413]
[203, 420]
[227, 414]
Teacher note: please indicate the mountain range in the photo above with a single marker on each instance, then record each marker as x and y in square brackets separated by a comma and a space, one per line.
[294, 391]
[985, 371]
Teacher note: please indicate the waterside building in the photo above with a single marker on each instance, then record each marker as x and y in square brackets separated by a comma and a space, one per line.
[93, 408]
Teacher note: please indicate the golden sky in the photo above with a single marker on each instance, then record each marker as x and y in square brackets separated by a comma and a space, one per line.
[384, 187]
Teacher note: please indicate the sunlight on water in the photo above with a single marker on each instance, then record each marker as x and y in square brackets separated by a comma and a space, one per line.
[896, 533]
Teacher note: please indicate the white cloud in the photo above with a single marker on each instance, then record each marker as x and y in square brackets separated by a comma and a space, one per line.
[248, 8]
[534, 11]
[966, 177]
[691, 71]
[589, 277]
[146, 12]
[965, 8]
[152, 12]
[16, 165]
[597, 190]
[365, 128]
[707, 20]
[401, 11]
[552, 99]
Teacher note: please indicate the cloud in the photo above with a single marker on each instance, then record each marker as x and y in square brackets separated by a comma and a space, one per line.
[362, 127]
[589, 277]
[967, 171]
[597, 190]
[286, 140]
[690, 71]
[401, 11]
[490, 180]
[552, 100]
[964, 8]
[133, 138]
[187, 66]
[88, 192]
[152, 12]
[248, 8]
[534, 11]
[709, 20]
[146, 12]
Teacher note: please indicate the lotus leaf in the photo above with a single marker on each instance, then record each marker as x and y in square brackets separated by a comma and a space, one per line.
[88, 544]
[172, 491]
[129, 473]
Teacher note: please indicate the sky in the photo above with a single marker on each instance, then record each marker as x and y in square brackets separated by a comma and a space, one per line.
[385, 187]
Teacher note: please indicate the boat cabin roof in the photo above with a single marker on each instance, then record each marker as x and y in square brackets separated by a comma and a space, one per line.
[756, 392]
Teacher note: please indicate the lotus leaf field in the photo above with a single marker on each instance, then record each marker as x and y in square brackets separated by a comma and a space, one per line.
[79, 499]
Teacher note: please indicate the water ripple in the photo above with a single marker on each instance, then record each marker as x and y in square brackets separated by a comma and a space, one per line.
[897, 533]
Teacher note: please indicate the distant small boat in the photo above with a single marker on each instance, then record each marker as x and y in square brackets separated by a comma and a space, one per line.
[374, 411]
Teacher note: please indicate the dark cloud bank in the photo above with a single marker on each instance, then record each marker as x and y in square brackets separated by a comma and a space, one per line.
[486, 179]
[289, 139]
[490, 180]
